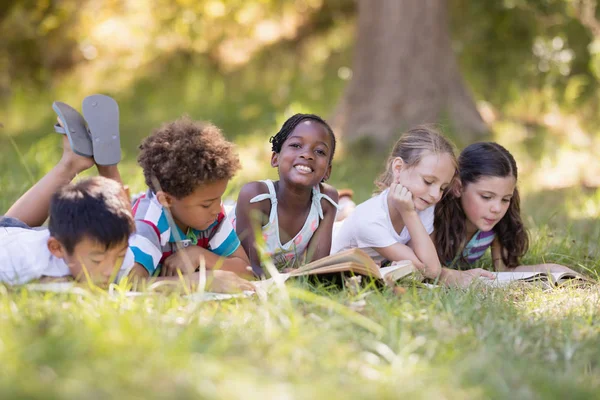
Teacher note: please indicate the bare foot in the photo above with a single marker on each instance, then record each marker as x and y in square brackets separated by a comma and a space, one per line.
[71, 161]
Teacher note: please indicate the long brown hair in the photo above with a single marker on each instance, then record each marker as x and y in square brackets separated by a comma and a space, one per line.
[475, 162]
[411, 148]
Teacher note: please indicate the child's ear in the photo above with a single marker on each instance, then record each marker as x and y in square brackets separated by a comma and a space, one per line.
[327, 174]
[275, 160]
[56, 248]
[397, 165]
[165, 199]
[457, 188]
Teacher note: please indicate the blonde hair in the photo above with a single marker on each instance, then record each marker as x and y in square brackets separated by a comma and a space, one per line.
[412, 147]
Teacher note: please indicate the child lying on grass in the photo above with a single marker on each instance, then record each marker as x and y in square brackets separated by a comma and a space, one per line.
[395, 224]
[483, 211]
[180, 221]
[90, 221]
[296, 213]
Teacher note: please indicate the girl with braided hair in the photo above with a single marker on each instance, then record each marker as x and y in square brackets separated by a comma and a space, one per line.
[296, 213]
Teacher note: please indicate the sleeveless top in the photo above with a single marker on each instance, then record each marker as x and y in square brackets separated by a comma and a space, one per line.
[290, 254]
[477, 246]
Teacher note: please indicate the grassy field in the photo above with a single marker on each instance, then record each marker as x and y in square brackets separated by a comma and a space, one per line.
[305, 342]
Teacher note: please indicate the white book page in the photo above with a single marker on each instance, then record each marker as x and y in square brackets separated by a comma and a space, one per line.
[519, 275]
[506, 278]
[553, 278]
[211, 296]
[56, 287]
[396, 265]
[71, 287]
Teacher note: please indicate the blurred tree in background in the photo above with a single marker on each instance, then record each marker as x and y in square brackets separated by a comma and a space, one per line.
[405, 73]
[534, 63]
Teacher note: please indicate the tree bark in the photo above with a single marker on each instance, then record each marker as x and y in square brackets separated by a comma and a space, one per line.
[405, 73]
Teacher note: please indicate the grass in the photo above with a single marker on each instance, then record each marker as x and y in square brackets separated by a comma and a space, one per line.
[521, 343]
[322, 343]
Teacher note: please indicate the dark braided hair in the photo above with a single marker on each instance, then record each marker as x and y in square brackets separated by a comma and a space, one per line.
[289, 126]
[475, 162]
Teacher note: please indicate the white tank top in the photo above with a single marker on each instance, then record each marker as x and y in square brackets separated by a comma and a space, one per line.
[290, 254]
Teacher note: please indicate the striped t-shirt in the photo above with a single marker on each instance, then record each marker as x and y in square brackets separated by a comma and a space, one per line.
[155, 240]
[477, 246]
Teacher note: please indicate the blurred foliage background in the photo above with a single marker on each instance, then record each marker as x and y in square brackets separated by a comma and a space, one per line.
[533, 67]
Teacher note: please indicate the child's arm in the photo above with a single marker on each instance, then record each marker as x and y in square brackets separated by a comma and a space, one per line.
[399, 252]
[251, 217]
[188, 260]
[447, 276]
[421, 244]
[33, 206]
[111, 172]
[401, 202]
[216, 281]
[319, 245]
[453, 277]
[499, 265]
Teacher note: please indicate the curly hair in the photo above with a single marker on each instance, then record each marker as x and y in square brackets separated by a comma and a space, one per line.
[411, 148]
[475, 162]
[183, 154]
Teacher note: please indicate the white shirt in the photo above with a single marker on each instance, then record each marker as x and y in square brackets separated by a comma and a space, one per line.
[24, 256]
[370, 226]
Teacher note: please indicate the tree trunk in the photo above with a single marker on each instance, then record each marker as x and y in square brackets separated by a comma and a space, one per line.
[404, 74]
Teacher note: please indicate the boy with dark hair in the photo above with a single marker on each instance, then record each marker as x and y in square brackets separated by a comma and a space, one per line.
[180, 221]
[90, 221]
[87, 236]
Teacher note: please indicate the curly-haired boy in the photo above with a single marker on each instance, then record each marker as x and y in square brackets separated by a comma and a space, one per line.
[180, 220]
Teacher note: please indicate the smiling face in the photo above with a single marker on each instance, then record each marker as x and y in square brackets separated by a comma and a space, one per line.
[305, 156]
[100, 263]
[198, 210]
[426, 180]
[486, 201]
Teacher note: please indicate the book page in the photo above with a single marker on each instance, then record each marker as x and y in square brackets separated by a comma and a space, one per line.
[398, 270]
[345, 257]
[506, 278]
[201, 297]
[564, 277]
[503, 278]
[56, 287]
[519, 276]
[355, 267]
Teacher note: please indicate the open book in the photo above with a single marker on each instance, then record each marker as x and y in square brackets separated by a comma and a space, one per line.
[73, 288]
[544, 278]
[357, 262]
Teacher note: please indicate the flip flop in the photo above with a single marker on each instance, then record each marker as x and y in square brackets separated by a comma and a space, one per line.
[73, 125]
[102, 115]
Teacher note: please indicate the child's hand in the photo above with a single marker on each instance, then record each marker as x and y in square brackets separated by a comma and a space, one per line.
[401, 198]
[464, 278]
[184, 260]
[228, 282]
[467, 277]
